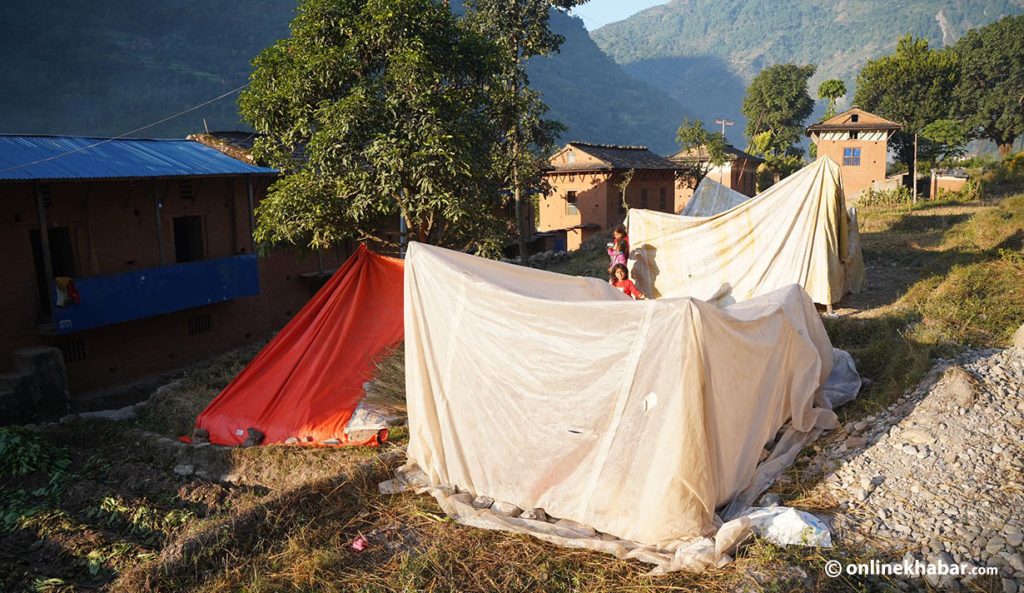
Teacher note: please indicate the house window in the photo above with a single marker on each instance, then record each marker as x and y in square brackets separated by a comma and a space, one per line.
[570, 158]
[851, 157]
[62, 260]
[661, 200]
[853, 135]
[854, 118]
[643, 198]
[570, 203]
[185, 190]
[200, 324]
[73, 351]
[188, 239]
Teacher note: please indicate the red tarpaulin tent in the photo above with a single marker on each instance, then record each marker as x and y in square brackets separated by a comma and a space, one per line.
[308, 380]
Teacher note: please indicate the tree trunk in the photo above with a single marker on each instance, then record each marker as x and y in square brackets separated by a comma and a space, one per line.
[523, 228]
[1005, 148]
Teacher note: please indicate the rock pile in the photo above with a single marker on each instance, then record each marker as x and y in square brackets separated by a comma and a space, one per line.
[941, 472]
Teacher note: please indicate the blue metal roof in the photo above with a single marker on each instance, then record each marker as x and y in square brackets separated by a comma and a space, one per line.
[26, 158]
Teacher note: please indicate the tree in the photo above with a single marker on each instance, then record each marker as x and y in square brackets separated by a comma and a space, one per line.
[777, 101]
[990, 95]
[707, 148]
[374, 109]
[943, 139]
[831, 90]
[520, 30]
[913, 86]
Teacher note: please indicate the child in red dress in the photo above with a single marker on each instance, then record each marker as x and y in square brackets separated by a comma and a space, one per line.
[621, 281]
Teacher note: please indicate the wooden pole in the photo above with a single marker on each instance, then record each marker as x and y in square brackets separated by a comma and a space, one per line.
[915, 168]
[44, 242]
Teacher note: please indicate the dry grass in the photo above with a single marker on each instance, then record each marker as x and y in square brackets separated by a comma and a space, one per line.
[172, 409]
[297, 536]
[387, 390]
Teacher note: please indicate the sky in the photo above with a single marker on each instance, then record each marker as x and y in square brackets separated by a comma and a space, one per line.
[597, 13]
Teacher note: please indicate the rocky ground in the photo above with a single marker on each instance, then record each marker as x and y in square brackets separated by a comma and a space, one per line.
[939, 475]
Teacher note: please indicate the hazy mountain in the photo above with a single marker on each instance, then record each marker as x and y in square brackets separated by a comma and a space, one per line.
[704, 52]
[105, 67]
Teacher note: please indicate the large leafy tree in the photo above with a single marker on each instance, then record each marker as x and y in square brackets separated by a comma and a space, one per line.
[375, 109]
[831, 90]
[777, 101]
[990, 96]
[520, 30]
[707, 148]
[913, 86]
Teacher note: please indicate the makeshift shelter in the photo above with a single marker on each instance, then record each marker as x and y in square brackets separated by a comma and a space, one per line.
[796, 232]
[308, 381]
[711, 198]
[634, 419]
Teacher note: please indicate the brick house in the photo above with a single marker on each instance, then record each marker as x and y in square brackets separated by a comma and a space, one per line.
[859, 142]
[584, 196]
[147, 262]
[739, 172]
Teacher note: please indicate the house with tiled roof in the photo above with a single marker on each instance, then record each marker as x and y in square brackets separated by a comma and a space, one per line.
[585, 188]
[859, 142]
[739, 172]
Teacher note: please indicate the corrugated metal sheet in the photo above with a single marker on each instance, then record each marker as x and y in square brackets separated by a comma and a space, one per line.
[25, 158]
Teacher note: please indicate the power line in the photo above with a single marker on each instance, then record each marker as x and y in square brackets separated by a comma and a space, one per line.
[128, 133]
[588, 19]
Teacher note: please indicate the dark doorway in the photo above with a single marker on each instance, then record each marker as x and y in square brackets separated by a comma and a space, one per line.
[188, 239]
[62, 260]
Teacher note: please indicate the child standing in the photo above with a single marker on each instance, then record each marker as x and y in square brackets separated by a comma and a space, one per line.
[618, 249]
[620, 280]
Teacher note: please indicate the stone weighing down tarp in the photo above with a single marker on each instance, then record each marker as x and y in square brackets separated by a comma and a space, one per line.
[796, 232]
[637, 419]
[711, 197]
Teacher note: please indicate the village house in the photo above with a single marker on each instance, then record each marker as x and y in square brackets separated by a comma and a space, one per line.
[585, 195]
[739, 172]
[859, 142]
[133, 257]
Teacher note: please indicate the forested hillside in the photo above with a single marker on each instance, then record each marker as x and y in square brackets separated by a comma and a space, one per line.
[704, 52]
[133, 62]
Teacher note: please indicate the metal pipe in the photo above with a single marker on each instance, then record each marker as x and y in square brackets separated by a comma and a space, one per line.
[252, 217]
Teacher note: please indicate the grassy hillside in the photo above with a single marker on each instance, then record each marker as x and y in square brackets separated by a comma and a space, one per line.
[109, 66]
[704, 52]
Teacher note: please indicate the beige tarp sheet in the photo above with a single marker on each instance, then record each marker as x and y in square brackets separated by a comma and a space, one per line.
[711, 197]
[635, 418]
[796, 232]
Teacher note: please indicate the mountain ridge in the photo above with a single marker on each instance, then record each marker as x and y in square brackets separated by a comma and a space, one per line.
[703, 53]
[118, 65]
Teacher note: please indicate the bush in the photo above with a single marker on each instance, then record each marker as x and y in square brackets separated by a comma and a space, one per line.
[898, 196]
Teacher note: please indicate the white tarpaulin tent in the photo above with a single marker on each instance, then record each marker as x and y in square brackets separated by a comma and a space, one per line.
[796, 232]
[711, 197]
[636, 419]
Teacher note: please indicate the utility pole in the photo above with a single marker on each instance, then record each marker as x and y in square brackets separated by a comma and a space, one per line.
[724, 122]
[915, 168]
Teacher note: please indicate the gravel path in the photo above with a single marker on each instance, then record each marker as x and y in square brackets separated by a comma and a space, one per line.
[940, 474]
